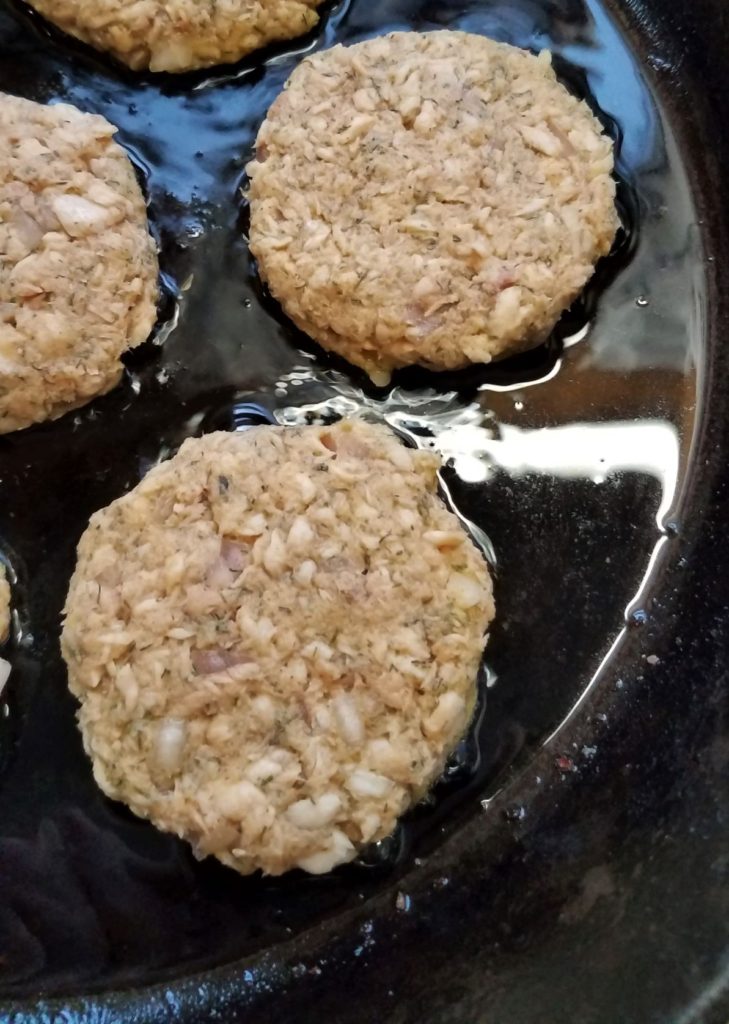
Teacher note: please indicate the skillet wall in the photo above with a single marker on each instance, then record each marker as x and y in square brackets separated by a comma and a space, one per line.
[607, 903]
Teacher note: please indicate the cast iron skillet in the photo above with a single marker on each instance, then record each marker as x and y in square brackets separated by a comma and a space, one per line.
[572, 864]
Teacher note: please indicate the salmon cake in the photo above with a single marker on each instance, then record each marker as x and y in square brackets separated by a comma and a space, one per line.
[180, 35]
[275, 640]
[78, 267]
[429, 198]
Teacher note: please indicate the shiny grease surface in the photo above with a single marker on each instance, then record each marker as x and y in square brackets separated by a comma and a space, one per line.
[567, 462]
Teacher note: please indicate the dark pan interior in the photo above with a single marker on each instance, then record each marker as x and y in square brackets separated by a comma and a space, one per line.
[571, 864]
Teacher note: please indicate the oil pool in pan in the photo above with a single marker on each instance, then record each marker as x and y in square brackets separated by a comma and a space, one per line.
[568, 461]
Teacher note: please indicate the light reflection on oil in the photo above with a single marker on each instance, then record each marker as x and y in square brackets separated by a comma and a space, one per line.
[476, 445]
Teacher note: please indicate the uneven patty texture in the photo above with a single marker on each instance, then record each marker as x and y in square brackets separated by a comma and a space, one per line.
[180, 35]
[78, 268]
[4, 605]
[432, 198]
[275, 639]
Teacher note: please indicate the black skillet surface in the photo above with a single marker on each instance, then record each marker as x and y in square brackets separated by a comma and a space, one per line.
[573, 863]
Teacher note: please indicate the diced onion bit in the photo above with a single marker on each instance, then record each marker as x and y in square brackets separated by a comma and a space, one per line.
[465, 590]
[239, 799]
[127, 685]
[300, 535]
[28, 230]
[79, 216]
[220, 575]
[541, 139]
[274, 557]
[234, 555]
[170, 745]
[312, 814]
[338, 851]
[217, 660]
[363, 783]
[263, 770]
[305, 572]
[348, 718]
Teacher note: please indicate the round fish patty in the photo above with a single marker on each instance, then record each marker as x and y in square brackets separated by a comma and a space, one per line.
[433, 198]
[180, 35]
[78, 268]
[275, 639]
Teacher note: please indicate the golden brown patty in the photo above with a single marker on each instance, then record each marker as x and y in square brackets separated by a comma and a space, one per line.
[275, 640]
[429, 198]
[180, 35]
[78, 268]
